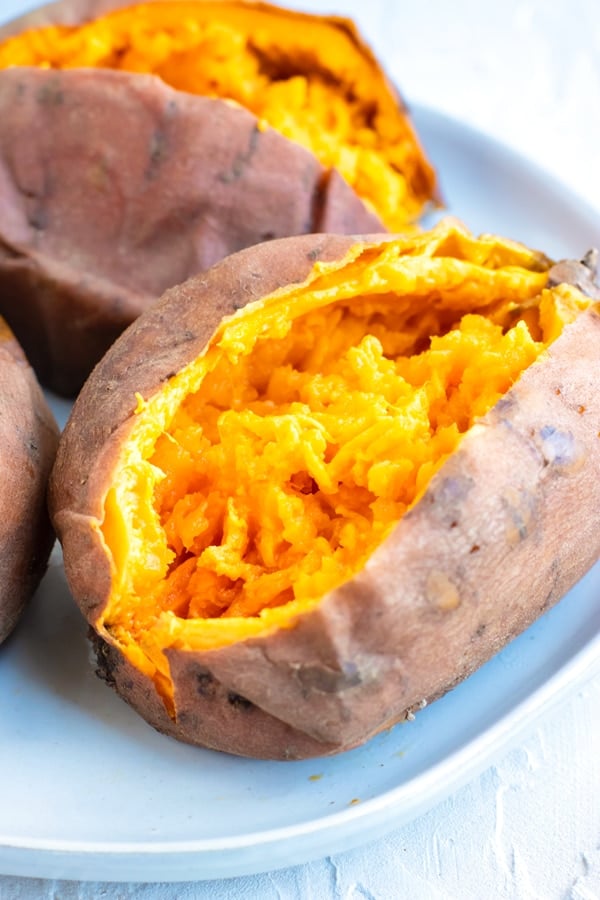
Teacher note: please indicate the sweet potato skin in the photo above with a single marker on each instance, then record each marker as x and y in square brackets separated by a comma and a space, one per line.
[505, 528]
[129, 188]
[28, 441]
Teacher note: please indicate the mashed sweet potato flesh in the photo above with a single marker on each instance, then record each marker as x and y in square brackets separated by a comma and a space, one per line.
[269, 470]
[304, 78]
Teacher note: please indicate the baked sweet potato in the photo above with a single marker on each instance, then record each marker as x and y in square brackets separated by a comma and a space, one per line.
[28, 441]
[115, 187]
[319, 485]
[120, 184]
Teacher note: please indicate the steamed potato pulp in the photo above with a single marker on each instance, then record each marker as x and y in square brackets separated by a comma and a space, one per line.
[267, 472]
[336, 104]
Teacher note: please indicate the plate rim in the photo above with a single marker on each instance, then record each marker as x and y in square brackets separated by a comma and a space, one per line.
[581, 667]
[241, 855]
[554, 186]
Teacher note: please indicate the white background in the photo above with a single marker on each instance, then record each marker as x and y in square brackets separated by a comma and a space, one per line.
[527, 73]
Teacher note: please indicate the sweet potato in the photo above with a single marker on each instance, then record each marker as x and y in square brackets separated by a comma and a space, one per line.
[119, 184]
[130, 187]
[28, 441]
[319, 485]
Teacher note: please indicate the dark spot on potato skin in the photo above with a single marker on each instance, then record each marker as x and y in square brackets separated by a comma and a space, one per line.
[558, 447]
[35, 200]
[314, 254]
[455, 488]
[504, 404]
[105, 666]
[239, 702]
[205, 684]
[518, 522]
[158, 152]
[520, 510]
[185, 336]
[242, 160]
[38, 218]
[329, 681]
[446, 497]
[50, 94]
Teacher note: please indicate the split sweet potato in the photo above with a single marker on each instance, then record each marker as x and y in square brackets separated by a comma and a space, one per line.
[140, 147]
[28, 441]
[316, 487]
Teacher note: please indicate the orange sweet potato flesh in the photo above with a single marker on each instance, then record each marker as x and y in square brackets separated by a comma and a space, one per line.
[352, 471]
[127, 171]
[28, 441]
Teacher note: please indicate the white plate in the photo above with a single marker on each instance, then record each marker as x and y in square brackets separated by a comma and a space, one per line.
[89, 791]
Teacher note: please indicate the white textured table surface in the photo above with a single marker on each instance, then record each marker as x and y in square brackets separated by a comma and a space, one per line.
[527, 73]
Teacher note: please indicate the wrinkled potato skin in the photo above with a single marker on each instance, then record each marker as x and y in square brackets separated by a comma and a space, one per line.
[28, 441]
[504, 529]
[129, 188]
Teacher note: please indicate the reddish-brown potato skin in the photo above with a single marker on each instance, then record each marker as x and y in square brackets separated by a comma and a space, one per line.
[505, 528]
[115, 187]
[28, 441]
